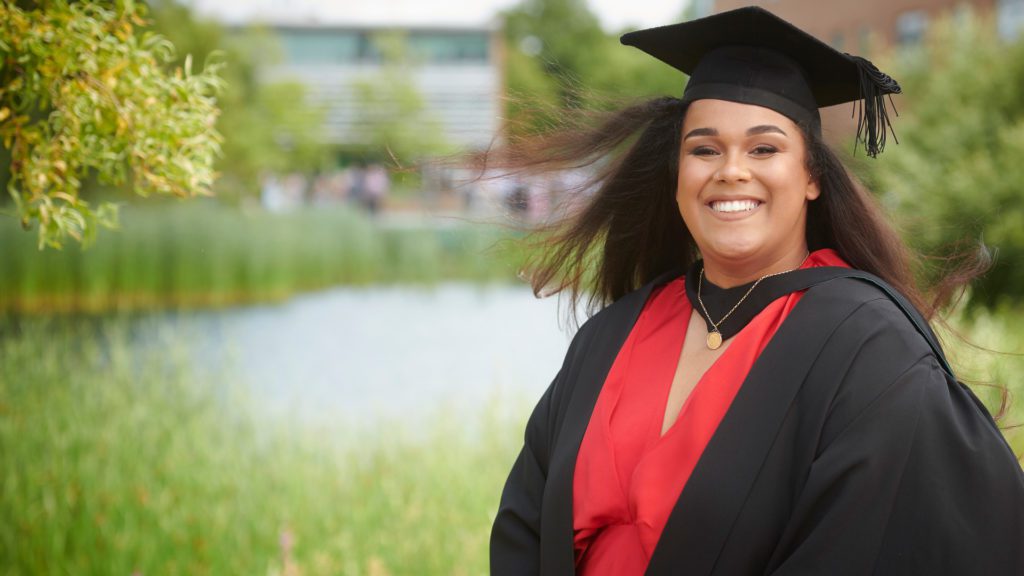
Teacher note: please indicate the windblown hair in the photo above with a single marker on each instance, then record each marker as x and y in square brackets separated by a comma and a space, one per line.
[629, 230]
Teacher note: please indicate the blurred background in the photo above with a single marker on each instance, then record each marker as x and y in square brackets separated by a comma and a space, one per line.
[324, 367]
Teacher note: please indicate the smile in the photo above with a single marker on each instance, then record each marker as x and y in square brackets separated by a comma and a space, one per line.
[731, 206]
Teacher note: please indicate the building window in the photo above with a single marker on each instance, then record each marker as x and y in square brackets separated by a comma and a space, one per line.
[318, 47]
[451, 48]
[355, 47]
[911, 26]
[1011, 18]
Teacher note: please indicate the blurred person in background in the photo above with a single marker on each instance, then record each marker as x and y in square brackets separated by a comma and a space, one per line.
[376, 184]
[761, 392]
[357, 183]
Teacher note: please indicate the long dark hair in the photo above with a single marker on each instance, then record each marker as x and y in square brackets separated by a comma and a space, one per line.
[629, 230]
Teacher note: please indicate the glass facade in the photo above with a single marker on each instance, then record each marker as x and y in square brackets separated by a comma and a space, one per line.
[303, 46]
[322, 47]
[453, 74]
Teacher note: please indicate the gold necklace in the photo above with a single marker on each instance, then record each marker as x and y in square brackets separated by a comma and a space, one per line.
[714, 340]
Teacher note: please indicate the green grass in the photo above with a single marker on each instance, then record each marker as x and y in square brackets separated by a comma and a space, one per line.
[988, 355]
[200, 254]
[114, 463]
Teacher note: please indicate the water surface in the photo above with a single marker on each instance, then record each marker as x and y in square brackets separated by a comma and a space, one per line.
[363, 355]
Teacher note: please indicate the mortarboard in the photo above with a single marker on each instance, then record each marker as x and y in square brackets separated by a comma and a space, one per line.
[752, 56]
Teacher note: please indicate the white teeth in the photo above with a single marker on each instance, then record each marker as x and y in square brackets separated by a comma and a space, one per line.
[734, 205]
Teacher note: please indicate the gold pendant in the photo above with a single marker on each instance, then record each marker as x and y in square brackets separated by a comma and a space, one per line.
[714, 339]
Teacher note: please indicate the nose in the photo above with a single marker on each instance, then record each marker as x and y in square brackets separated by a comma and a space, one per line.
[732, 169]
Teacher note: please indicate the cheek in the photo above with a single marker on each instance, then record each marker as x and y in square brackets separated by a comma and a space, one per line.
[690, 181]
[686, 198]
[790, 185]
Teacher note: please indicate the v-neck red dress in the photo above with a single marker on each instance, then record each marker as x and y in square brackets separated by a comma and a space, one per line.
[628, 476]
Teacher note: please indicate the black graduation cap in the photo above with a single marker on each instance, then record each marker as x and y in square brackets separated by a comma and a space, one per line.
[752, 56]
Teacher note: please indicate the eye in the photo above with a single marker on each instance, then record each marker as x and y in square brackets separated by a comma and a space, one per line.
[703, 151]
[764, 150]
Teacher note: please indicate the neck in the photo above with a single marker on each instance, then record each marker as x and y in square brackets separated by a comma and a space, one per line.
[732, 274]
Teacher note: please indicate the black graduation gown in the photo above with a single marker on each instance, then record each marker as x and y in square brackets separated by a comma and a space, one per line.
[848, 450]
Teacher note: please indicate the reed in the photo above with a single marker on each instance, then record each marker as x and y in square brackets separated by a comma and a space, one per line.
[201, 254]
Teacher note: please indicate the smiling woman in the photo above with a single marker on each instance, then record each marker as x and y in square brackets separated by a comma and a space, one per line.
[761, 392]
[744, 189]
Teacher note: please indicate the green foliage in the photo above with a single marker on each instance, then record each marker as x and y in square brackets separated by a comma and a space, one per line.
[533, 101]
[957, 174]
[173, 255]
[121, 459]
[559, 58]
[81, 93]
[568, 39]
[984, 350]
[268, 125]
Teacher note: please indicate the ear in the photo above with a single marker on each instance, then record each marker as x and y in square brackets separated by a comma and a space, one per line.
[812, 191]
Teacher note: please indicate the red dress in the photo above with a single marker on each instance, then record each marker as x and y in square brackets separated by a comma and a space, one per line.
[628, 477]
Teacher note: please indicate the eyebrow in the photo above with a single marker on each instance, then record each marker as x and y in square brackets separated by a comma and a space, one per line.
[765, 129]
[701, 132]
[762, 129]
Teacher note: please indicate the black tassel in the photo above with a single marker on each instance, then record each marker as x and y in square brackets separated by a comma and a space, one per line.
[872, 117]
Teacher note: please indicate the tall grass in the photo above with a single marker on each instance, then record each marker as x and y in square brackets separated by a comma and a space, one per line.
[202, 254]
[115, 463]
[114, 460]
[987, 352]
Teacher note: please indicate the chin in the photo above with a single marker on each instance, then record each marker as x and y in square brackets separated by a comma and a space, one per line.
[737, 250]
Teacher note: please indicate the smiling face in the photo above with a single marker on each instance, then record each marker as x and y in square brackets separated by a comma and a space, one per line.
[743, 189]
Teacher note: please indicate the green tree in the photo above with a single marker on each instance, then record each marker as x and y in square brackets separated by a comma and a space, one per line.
[559, 58]
[268, 125]
[564, 36]
[82, 94]
[957, 174]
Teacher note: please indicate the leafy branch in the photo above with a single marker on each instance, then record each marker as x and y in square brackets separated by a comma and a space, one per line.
[81, 93]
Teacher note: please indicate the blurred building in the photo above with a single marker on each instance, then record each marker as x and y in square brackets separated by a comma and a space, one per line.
[453, 58]
[456, 73]
[867, 25]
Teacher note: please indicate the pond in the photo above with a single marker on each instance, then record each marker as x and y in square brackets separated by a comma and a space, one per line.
[360, 356]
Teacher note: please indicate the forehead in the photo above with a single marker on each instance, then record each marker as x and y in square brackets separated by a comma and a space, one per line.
[725, 116]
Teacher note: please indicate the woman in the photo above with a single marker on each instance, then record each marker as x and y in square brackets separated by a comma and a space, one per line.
[740, 407]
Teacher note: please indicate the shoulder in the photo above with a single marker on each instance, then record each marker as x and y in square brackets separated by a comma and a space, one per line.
[870, 321]
[605, 323]
[873, 355]
[870, 324]
[622, 312]
[598, 339]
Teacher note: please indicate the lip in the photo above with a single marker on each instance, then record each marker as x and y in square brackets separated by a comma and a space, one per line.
[729, 216]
